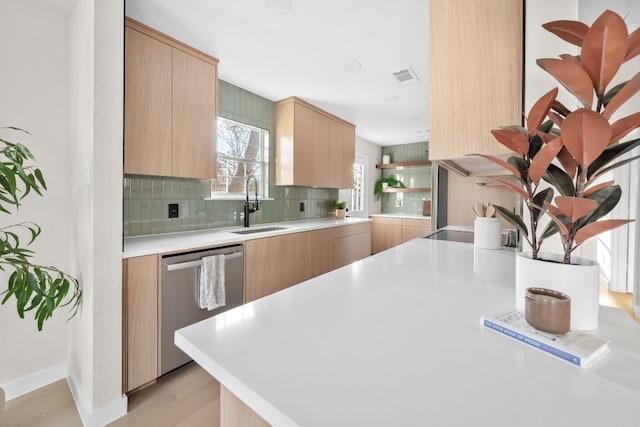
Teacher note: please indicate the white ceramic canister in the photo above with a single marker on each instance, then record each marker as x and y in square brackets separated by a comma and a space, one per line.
[487, 233]
[386, 159]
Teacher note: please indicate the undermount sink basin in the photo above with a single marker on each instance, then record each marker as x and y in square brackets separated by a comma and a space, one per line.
[258, 230]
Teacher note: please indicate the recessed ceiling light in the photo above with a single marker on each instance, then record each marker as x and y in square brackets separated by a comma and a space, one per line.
[352, 66]
[392, 98]
[279, 7]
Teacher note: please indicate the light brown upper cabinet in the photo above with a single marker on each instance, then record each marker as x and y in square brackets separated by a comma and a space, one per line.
[170, 106]
[475, 74]
[313, 147]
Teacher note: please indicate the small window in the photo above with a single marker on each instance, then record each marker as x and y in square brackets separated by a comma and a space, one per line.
[242, 151]
[357, 192]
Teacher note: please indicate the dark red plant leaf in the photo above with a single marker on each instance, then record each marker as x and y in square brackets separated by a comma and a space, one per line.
[633, 47]
[572, 76]
[546, 137]
[554, 214]
[622, 127]
[513, 140]
[515, 187]
[604, 48]
[586, 134]
[543, 159]
[630, 88]
[552, 209]
[560, 108]
[556, 118]
[598, 227]
[568, 162]
[595, 188]
[568, 57]
[575, 207]
[569, 31]
[540, 110]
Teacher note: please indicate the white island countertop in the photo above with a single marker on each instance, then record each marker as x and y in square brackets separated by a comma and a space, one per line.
[396, 340]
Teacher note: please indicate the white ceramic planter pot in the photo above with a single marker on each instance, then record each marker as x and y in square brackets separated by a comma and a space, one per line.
[579, 280]
[487, 233]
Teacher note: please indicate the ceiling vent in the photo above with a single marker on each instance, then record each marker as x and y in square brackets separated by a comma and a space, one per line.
[405, 76]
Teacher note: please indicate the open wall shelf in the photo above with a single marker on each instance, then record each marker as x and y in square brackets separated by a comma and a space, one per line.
[398, 165]
[407, 190]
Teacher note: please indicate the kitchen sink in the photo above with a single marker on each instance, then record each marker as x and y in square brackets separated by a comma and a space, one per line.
[259, 230]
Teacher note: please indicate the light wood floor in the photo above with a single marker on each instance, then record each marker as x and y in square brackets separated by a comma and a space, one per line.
[186, 397]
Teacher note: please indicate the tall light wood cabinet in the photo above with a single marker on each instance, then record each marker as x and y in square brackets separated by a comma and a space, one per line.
[170, 106]
[475, 74]
[343, 154]
[147, 105]
[140, 323]
[313, 147]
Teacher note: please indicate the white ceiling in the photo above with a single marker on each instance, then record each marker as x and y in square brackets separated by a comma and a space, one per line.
[304, 53]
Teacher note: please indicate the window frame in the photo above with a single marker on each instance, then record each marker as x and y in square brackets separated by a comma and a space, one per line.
[262, 164]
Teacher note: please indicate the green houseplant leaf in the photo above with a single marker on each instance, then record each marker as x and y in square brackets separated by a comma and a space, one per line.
[33, 286]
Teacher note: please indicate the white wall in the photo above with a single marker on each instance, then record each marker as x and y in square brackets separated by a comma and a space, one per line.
[62, 79]
[34, 83]
[96, 134]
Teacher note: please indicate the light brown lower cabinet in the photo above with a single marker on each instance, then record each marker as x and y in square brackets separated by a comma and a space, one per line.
[275, 263]
[271, 264]
[412, 228]
[388, 232]
[235, 413]
[140, 323]
[352, 242]
[320, 251]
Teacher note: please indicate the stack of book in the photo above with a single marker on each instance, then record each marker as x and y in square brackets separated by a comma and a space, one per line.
[575, 347]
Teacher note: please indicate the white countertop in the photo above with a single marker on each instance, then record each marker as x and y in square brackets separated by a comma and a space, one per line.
[396, 340]
[173, 242]
[401, 215]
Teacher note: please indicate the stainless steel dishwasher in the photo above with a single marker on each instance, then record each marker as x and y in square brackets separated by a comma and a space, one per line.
[179, 293]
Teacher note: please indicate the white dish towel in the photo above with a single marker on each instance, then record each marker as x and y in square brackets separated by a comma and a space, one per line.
[211, 283]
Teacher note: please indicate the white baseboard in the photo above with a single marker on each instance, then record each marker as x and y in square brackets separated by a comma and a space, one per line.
[34, 381]
[102, 416]
[98, 418]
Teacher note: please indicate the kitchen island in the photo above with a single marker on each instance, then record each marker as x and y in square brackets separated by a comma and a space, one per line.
[396, 340]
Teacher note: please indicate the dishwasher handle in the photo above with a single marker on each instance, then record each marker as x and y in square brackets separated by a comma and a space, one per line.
[198, 263]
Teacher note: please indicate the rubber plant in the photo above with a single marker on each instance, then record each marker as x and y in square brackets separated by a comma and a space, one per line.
[34, 287]
[585, 142]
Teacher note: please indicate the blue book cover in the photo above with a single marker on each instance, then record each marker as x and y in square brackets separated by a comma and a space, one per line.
[574, 347]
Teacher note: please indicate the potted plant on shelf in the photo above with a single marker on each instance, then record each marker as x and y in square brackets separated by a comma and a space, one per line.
[382, 183]
[340, 207]
[585, 145]
[35, 287]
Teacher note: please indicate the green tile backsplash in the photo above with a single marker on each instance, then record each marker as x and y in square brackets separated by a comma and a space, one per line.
[407, 203]
[147, 198]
